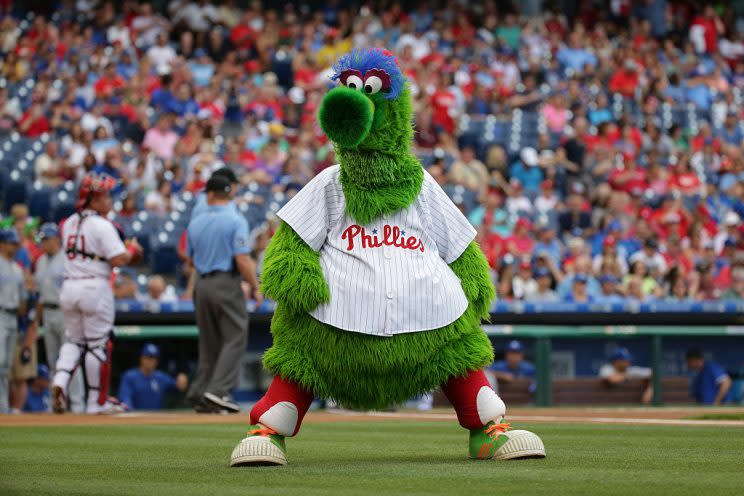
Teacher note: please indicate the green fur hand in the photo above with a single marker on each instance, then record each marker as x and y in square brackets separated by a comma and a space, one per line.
[292, 274]
[475, 276]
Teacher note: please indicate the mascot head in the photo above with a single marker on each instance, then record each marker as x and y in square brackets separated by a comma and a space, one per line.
[371, 108]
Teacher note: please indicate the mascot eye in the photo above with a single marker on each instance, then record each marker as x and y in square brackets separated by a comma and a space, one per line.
[354, 82]
[372, 85]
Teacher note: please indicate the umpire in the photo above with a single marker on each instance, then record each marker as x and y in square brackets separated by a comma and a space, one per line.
[217, 244]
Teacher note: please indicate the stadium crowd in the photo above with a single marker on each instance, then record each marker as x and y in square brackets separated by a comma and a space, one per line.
[597, 147]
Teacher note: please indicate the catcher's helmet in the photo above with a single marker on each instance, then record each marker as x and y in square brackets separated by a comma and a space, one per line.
[93, 184]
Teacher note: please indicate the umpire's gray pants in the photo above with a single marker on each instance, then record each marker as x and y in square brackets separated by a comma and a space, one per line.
[8, 333]
[54, 337]
[223, 333]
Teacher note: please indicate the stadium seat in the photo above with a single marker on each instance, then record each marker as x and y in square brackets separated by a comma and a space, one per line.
[40, 201]
[15, 190]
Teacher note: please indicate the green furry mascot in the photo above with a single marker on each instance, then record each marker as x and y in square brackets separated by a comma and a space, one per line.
[380, 288]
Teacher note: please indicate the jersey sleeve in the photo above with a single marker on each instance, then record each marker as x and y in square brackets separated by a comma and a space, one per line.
[241, 242]
[606, 371]
[449, 228]
[718, 373]
[307, 213]
[111, 244]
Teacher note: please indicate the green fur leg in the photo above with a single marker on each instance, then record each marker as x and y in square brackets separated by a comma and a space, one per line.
[370, 372]
[292, 273]
[475, 276]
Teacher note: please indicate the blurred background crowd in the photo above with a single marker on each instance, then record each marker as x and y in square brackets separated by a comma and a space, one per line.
[597, 146]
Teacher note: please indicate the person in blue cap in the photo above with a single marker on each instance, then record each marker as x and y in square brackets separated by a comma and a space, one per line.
[608, 290]
[710, 383]
[579, 293]
[144, 387]
[513, 365]
[620, 369]
[37, 398]
[542, 292]
[13, 298]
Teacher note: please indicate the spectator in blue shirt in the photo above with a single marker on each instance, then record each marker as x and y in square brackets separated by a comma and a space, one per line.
[37, 398]
[144, 388]
[608, 293]
[731, 132]
[579, 293]
[183, 103]
[573, 57]
[513, 365]
[711, 383]
[527, 171]
[202, 69]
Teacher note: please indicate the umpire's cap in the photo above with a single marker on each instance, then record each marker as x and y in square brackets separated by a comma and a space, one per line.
[218, 184]
[48, 230]
[9, 235]
[227, 173]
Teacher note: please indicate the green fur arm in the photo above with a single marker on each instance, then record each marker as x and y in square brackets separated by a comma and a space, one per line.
[475, 276]
[291, 272]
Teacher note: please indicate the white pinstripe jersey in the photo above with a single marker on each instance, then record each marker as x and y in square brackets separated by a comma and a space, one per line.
[392, 275]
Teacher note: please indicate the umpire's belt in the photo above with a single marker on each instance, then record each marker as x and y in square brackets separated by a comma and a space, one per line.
[50, 306]
[11, 311]
[214, 273]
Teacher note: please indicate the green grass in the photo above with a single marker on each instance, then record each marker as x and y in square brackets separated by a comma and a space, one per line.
[718, 416]
[380, 458]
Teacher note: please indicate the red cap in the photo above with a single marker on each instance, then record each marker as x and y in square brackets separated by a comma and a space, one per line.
[547, 184]
[522, 222]
[609, 240]
[525, 264]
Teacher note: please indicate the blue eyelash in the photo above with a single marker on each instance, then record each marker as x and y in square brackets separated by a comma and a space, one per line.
[374, 58]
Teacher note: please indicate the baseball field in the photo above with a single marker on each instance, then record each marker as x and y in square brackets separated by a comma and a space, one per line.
[590, 451]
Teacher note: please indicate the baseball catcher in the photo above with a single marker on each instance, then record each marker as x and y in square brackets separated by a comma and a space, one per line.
[93, 246]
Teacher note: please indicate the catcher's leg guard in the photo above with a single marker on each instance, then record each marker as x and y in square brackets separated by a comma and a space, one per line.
[475, 401]
[97, 368]
[70, 356]
[282, 408]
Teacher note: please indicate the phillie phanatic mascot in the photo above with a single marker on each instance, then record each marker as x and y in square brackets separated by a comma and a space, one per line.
[379, 284]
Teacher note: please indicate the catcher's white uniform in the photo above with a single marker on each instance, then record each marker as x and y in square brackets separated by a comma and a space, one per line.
[87, 302]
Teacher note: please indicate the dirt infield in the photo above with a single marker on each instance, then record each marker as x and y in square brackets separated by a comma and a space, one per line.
[601, 415]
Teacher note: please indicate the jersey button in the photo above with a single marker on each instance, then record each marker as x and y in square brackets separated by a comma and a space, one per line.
[387, 253]
[390, 294]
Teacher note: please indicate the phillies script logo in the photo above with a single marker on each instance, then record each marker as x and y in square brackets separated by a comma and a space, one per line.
[391, 236]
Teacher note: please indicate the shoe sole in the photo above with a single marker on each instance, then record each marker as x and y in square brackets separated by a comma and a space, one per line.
[59, 405]
[521, 445]
[257, 451]
[217, 401]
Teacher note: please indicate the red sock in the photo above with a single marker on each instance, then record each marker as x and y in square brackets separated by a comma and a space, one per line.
[283, 407]
[474, 399]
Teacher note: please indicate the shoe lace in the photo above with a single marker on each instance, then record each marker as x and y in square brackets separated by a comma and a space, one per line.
[497, 429]
[263, 431]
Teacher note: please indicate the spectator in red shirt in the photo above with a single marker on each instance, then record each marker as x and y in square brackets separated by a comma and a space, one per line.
[443, 101]
[705, 29]
[629, 177]
[686, 180]
[670, 219]
[33, 122]
[625, 82]
[109, 83]
[520, 243]
[242, 35]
